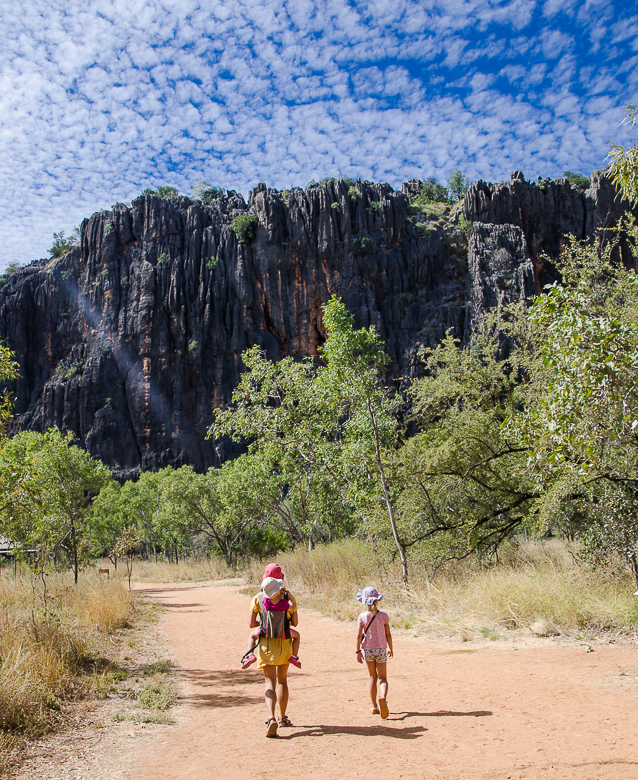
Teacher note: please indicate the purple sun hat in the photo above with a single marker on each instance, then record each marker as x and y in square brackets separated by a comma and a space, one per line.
[369, 596]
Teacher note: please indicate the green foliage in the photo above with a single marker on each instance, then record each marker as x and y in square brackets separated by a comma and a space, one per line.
[63, 245]
[205, 192]
[464, 225]
[317, 432]
[458, 185]
[48, 484]
[543, 184]
[375, 206]
[66, 371]
[403, 300]
[164, 191]
[362, 246]
[431, 192]
[623, 168]
[192, 347]
[245, 227]
[163, 257]
[353, 192]
[13, 268]
[577, 179]
[9, 370]
[212, 263]
[334, 205]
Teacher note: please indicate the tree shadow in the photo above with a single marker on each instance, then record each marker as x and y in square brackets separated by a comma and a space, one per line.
[410, 732]
[441, 714]
[220, 682]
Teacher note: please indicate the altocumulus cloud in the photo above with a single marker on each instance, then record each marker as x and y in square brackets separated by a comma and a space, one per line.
[101, 99]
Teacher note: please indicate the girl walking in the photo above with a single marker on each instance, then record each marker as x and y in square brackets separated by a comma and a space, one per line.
[374, 644]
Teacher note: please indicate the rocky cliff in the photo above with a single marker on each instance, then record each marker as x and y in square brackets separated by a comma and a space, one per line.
[134, 338]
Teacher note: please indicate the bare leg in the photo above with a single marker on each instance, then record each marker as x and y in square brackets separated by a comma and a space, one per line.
[282, 689]
[383, 680]
[372, 669]
[296, 639]
[270, 674]
[252, 640]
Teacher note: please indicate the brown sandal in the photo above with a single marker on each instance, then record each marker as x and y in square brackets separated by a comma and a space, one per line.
[272, 725]
[374, 710]
[285, 722]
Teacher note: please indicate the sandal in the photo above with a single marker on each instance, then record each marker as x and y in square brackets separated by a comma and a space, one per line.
[374, 710]
[247, 660]
[285, 721]
[271, 730]
[383, 706]
[294, 660]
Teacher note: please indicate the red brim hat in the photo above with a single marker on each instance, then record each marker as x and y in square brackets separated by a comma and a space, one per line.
[273, 570]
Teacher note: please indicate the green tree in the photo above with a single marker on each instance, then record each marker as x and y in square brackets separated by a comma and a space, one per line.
[320, 429]
[245, 227]
[458, 184]
[163, 191]
[108, 520]
[463, 482]
[432, 192]
[48, 487]
[8, 372]
[62, 244]
[623, 163]
[205, 192]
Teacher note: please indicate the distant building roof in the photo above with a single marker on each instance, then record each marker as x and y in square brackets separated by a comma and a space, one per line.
[6, 546]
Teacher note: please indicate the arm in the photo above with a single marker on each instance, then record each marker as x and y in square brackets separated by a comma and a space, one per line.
[294, 618]
[388, 637]
[359, 654]
[253, 619]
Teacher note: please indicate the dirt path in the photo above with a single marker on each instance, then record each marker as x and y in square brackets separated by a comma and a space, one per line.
[486, 711]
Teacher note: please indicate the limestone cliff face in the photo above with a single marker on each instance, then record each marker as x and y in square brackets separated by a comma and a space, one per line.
[135, 337]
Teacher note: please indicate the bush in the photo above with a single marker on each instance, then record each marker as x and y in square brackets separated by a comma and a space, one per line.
[163, 192]
[206, 192]
[63, 245]
[431, 192]
[577, 180]
[212, 263]
[362, 246]
[353, 193]
[245, 227]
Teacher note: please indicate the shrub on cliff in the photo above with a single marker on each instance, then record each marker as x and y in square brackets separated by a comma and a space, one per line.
[62, 244]
[163, 192]
[245, 227]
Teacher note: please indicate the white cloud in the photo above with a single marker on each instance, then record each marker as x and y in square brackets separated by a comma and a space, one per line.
[99, 100]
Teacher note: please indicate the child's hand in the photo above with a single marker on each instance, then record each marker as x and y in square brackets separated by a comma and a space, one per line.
[390, 653]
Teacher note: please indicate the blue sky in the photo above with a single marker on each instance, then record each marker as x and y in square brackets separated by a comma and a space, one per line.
[99, 100]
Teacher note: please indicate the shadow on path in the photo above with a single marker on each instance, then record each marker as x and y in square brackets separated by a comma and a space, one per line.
[217, 685]
[411, 732]
[441, 714]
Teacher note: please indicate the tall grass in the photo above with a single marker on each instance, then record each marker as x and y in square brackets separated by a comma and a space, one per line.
[188, 570]
[537, 586]
[48, 641]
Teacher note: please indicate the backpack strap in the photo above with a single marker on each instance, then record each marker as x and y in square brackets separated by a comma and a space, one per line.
[365, 630]
[262, 614]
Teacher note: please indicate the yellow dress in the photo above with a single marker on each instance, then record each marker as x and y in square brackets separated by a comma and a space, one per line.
[274, 652]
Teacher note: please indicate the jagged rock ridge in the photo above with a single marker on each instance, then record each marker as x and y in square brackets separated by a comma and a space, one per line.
[135, 337]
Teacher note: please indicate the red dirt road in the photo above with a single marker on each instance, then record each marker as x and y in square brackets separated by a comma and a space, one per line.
[457, 711]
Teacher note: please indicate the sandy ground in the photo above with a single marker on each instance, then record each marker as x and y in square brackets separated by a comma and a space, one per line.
[458, 711]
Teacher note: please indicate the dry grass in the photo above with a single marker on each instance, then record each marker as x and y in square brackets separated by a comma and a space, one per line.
[186, 571]
[46, 655]
[537, 588]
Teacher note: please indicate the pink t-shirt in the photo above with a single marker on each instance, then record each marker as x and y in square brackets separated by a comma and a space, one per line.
[375, 635]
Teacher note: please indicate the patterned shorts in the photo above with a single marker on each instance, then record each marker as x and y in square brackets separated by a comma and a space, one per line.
[378, 654]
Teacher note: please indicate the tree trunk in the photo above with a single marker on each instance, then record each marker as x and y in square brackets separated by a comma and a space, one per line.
[633, 562]
[74, 543]
[395, 533]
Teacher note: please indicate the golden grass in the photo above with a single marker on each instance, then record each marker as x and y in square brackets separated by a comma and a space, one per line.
[188, 570]
[537, 587]
[44, 654]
